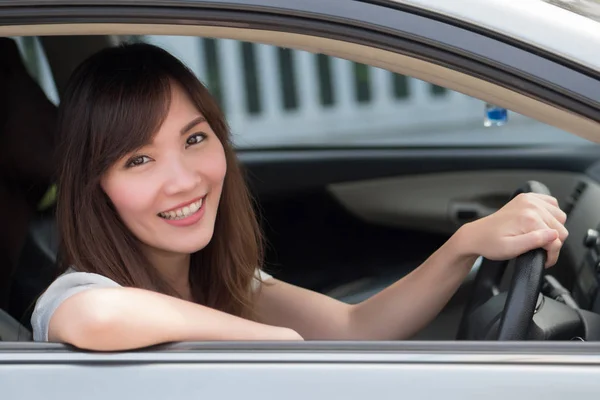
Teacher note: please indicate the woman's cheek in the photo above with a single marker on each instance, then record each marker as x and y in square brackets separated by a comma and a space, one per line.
[130, 196]
[220, 168]
[217, 165]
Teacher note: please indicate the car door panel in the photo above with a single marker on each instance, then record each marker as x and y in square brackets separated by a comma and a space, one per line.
[442, 202]
[313, 370]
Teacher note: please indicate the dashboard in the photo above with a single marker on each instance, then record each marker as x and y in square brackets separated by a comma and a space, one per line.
[583, 251]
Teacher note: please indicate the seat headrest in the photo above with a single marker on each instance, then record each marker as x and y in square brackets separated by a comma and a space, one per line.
[27, 122]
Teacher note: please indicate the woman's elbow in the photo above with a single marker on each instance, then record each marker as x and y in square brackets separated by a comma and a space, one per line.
[85, 321]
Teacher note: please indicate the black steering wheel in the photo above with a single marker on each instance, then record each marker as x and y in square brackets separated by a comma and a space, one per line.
[521, 299]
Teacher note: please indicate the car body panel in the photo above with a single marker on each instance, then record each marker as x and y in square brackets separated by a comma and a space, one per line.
[317, 371]
[533, 22]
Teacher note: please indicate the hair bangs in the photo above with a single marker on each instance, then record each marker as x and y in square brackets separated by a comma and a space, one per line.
[128, 113]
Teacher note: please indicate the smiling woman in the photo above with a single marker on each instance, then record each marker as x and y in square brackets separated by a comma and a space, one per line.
[147, 178]
[164, 156]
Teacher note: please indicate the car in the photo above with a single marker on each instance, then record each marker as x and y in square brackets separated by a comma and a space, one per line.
[370, 131]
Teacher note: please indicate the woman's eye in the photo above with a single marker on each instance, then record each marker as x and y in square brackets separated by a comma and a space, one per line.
[139, 160]
[195, 139]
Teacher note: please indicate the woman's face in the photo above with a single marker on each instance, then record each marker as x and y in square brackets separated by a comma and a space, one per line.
[167, 193]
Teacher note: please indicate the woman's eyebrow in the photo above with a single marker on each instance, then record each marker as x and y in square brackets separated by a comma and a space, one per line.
[190, 125]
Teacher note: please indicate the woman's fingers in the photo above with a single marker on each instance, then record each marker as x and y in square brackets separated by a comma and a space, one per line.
[551, 204]
[535, 239]
[546, 198]
[549, 217]
[553, 251]
[546, 239]
[544, 207]
[552, 217]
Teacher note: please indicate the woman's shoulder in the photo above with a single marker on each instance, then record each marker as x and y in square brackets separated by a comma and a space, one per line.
[66, 285]
[71, 282]
[73, 277]
[259, 277]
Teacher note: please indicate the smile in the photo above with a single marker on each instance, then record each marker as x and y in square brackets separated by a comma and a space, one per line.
[183, 212]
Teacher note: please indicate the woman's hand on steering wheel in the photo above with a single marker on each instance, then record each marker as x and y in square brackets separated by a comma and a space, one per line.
[529, 221]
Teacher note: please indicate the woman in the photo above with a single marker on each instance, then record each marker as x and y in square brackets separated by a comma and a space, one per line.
[160, 242]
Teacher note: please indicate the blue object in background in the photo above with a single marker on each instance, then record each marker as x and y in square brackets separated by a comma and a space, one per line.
[494, 115]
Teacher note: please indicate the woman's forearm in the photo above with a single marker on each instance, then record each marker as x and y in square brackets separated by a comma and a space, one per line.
[126, 318]
[406, 307]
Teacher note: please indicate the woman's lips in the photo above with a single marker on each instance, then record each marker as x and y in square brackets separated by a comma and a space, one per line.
[195, 214]
[182, 205]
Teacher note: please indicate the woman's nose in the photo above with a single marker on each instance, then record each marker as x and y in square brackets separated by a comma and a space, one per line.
[179, 177]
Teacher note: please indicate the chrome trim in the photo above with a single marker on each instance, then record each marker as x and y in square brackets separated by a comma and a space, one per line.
[483, 353]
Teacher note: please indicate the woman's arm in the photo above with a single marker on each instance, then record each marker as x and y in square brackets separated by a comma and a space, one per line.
[396, 313]
[404, 308]
[113, 319]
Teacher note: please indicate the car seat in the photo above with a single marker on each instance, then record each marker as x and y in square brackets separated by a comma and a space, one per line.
[27, 121]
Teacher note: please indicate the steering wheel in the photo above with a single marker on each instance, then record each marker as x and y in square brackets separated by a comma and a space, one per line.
[521, 298]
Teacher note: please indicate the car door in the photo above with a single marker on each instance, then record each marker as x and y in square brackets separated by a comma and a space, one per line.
[343, 208]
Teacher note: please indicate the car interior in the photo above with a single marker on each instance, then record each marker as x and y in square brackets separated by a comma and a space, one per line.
[345, 221]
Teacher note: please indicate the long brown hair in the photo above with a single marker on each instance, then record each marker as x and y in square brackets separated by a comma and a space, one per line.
[113, 104]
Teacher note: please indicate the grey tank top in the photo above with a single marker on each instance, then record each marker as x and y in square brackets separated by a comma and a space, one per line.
[69, 284]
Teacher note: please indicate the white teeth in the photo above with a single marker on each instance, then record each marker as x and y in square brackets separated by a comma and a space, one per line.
[182, 212]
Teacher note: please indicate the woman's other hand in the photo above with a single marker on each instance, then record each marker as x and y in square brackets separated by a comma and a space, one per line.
[529, 221]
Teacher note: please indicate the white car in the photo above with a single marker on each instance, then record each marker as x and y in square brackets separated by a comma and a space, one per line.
[370, 130]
